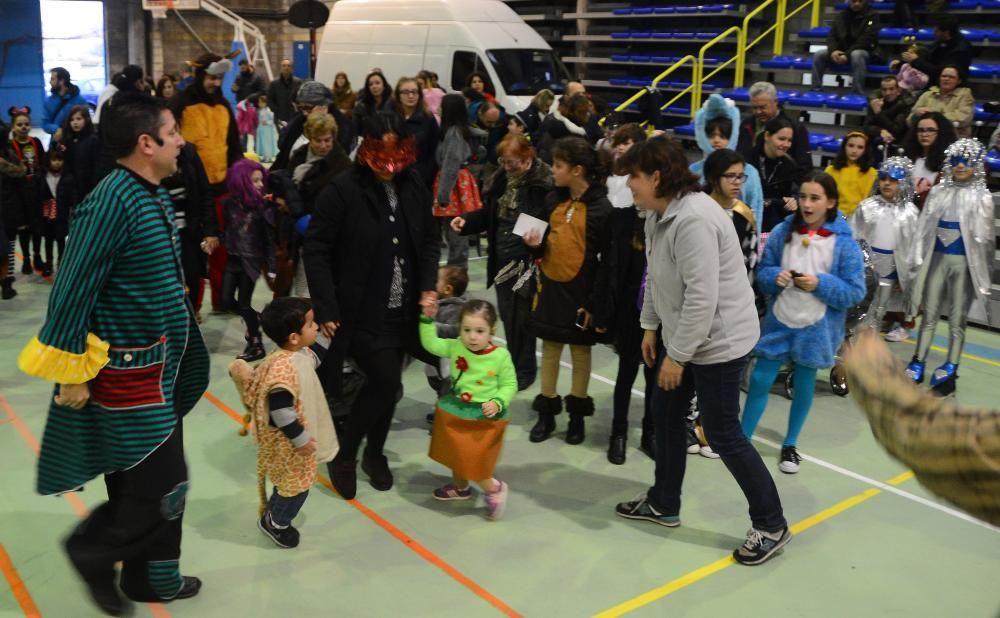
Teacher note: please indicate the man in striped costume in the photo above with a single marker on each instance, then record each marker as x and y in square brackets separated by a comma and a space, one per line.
[122, 346]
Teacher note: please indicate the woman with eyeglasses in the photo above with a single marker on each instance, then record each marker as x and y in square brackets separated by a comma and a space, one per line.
[925, 144]
[519, 187]
[950, 98]
[408, 102]
[956, 248]
[725, 173]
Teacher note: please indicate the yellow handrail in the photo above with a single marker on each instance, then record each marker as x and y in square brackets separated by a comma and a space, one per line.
[742, 46]
[656, 80]
[699, 68]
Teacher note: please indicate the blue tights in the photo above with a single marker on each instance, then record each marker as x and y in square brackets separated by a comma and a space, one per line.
[764, 373]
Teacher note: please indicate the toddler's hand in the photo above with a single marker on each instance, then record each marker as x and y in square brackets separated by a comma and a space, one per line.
[309, 448]
[490, 409]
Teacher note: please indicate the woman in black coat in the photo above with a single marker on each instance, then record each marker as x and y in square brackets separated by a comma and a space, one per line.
[371, 259]
[519, 186]
[779, 173]
[194, 216]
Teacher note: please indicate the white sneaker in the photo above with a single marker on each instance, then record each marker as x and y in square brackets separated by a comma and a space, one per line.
[790, 459]
[706, 451]
[897, 334]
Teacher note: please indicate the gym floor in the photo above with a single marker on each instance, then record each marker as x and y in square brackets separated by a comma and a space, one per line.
[869, 541]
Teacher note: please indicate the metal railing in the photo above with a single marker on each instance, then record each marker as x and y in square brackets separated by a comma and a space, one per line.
[698, 76]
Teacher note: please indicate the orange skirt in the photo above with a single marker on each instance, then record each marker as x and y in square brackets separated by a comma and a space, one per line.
[470, 447]
[465, 197]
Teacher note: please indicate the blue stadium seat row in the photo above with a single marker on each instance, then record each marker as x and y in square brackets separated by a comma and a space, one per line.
[669, 10]
[666, 34]
[804, 63]
[853, 102]
[641, 82]
[709, 61]
[956, 5]
[921, 34]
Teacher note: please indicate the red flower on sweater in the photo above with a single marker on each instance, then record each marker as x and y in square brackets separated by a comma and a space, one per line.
[462, 364]
[465, 397]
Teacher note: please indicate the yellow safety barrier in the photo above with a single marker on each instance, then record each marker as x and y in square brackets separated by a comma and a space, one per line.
[699, 68]
[656, 80]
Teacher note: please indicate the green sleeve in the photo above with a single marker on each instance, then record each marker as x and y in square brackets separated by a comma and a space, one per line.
[507, 379]
[431, 342]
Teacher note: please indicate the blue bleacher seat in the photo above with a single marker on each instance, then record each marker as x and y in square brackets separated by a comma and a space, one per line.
[641, 35]
[982, 115]
[682, 34]
[619, 81]
[924, 34]
[737, 94]
[639, 58]
[664, 59]
[819, 32]
[621, 35]
[639, 82]
[831, 146]
[663, 34]
[711, 8]
[686, 9]
[811, 99]
[664, 10]
[963, 5]
[818, 139]
[621, 57]
[894, 33]
[993, 161]
[684, 129]
[625, 11]
[856, 102]
[707, 34]
[678, 109]
[778, 62]
[802, 63]
[642, 10]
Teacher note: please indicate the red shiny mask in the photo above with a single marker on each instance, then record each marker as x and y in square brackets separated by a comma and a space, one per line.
[388, 155]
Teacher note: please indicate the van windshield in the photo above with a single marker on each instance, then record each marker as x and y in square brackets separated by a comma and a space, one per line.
[526, 71]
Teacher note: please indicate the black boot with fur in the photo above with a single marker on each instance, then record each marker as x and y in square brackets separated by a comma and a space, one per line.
[578, 408]
[547, 408]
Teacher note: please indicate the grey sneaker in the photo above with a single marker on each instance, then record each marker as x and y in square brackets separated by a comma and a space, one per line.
[761, 546]
[897, 334]
[640, 508]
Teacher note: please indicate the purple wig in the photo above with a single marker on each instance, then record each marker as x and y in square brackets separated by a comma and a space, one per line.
[239, 185]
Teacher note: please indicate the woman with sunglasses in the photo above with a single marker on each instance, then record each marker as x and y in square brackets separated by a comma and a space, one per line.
[924, 145]
[956, 250]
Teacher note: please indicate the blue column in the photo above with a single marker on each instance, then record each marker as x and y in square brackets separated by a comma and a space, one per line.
[21, 78]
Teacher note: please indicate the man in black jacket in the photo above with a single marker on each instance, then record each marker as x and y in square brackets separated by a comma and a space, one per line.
[853, 38]
[247, 82]
[763, 107]
[282, 92]
[885, 121]
[950, 47]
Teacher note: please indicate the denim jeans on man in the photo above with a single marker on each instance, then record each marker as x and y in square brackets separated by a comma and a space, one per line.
[859, 65]
[718, 390]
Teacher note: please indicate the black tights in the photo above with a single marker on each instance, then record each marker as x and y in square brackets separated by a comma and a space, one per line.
[629, 360]
[237, 292]
[26, 234]
[371, 415]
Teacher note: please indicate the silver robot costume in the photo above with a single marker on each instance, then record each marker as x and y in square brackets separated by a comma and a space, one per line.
[890, 230]
[955, 248]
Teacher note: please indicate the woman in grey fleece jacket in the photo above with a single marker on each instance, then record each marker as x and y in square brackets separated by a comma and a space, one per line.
[700, 322]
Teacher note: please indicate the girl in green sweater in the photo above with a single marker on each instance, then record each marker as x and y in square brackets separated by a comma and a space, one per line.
[470, 421]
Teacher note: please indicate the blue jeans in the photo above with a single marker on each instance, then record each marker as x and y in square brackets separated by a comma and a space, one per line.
[859, 65]
[718, 390]
[283, 510]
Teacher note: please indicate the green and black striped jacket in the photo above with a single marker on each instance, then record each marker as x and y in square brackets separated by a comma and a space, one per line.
[120, 289]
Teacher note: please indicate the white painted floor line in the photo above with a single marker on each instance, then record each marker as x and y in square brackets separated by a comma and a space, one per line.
[829, 466]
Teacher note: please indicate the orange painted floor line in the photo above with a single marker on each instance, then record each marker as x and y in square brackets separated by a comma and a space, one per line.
[17, 586]
[398, 534]
[157, 609]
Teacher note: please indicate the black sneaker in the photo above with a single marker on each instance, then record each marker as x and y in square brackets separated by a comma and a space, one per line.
[282, 537]
[192, 585]
[639, 508]
[761, 546]
[790, 460]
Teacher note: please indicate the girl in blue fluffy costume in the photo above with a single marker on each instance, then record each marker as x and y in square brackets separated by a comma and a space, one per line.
[717, 126]
[812, 272]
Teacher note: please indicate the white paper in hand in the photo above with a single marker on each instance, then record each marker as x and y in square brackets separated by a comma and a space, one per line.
[526, 223]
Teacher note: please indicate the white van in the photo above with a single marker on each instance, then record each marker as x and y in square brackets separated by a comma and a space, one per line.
[452, 38]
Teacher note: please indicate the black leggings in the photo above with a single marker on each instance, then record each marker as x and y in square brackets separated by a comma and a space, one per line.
[26, 234]
[237, 292]
[629, 360]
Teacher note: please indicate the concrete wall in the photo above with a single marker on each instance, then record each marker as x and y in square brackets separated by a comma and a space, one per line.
[21, 80]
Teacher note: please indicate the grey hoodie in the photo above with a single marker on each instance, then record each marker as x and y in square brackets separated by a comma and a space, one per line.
[696, 287]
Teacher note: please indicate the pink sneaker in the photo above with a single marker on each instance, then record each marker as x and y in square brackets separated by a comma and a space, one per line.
[496, 501]
[452, 492]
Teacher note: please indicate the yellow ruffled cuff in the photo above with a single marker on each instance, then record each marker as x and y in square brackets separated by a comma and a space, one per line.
[50, 363]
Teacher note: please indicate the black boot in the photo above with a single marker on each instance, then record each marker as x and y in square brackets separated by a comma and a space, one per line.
[616, 449]
[647, 443]
[344, 477]
[8, 288]
[38, 263]
[99, 578]
[578, 408]
[254, 350]
[547, 408]
[377, 469]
